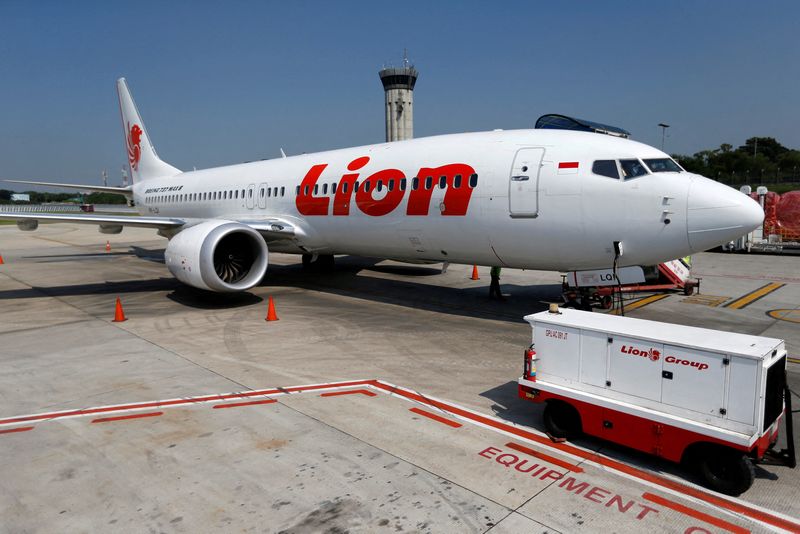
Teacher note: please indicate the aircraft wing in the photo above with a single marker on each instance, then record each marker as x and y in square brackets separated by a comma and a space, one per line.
[271, 227]
[94, 188]
[111, 220]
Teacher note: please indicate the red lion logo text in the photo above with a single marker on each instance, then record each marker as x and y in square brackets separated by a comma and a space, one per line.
[370, 199]
[134, 145]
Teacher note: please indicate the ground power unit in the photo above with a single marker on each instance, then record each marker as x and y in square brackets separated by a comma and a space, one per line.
[709, 398]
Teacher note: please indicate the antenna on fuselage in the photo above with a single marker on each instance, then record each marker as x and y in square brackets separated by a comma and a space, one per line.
[283, 153]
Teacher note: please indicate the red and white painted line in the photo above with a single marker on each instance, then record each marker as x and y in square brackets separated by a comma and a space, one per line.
[453, 415]
[682, 489]
[182, 402]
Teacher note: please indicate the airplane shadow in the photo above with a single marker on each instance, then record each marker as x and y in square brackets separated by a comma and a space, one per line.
[351, 278]
[100, 288]
[208, 300]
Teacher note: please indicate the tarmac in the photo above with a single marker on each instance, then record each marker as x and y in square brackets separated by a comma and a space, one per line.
[384, 399]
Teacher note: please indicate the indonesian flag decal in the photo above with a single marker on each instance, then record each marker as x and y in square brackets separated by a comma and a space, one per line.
[568, 167]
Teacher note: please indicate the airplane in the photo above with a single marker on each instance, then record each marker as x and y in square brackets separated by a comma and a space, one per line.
[527, 199]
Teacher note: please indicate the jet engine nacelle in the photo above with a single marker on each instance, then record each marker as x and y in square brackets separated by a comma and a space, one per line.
[223, 256]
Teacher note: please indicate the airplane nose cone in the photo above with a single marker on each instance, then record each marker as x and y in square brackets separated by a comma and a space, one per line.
[718, 214]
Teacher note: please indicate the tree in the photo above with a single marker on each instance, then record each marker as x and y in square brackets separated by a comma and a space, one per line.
[768, 146]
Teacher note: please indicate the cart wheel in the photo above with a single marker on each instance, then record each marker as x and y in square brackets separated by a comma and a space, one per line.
[606, 302]
[688, 289]
[726, 470]
[562, 420]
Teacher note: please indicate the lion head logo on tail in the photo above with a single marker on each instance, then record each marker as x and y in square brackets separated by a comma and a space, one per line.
[134, 145]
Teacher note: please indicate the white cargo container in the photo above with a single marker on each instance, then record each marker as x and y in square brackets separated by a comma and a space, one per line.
[679, 392]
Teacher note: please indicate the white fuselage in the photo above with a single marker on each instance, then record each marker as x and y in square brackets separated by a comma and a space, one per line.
[536, 204]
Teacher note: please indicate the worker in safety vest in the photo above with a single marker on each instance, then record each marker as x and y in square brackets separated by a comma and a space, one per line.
[494, 287]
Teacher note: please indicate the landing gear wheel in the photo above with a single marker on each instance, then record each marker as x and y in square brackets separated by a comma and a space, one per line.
[726, 470]
[562, 420]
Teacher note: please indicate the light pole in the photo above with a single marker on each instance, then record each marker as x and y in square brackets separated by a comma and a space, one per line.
[663, 133]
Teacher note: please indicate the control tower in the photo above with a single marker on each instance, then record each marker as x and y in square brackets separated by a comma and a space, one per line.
[398, 85]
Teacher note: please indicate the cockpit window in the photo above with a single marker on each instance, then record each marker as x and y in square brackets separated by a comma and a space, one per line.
[631, 168]
[662, 165]
[606, 167]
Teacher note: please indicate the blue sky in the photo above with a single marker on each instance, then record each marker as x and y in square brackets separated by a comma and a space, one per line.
[221, 83]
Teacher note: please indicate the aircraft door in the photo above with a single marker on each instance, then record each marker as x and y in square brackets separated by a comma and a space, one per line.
[250, 201]
[523, 186]
[262, 196]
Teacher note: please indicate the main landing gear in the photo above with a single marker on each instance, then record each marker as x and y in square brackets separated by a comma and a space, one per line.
[318, 263]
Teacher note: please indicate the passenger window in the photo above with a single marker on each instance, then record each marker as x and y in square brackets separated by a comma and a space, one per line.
[402, 184]
[414, 183]
[366, 186]
[390, 187]
[631, 168]
[316, 189]
[274, 191]
[457, 181]
[305, 190]
[283, 190]
[333, 188]
[344, 187]
[269, 192]
[473, 180]
[428, 182]
[606, 167]
[355, 187]
[379, 186]
[324, 189]
[442, 182]
[297, 191]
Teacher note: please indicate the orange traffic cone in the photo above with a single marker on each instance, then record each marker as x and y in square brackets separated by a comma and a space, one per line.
[475, 273]
[271, 315]
[119, 315]
[108, 246]
[1, 259]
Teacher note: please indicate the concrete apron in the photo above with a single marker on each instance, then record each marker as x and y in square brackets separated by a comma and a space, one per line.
[357, 457]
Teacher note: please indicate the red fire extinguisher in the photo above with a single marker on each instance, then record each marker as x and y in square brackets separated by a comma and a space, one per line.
[529, 369]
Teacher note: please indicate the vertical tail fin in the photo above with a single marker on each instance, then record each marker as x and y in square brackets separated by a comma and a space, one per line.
[142, 157]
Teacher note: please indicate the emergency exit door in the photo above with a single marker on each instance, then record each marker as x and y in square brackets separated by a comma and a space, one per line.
[523, 187]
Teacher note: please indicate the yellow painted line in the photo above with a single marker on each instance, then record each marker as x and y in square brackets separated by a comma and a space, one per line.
[793, 316]
[636, 304]
[793, 360]
[753, 296]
